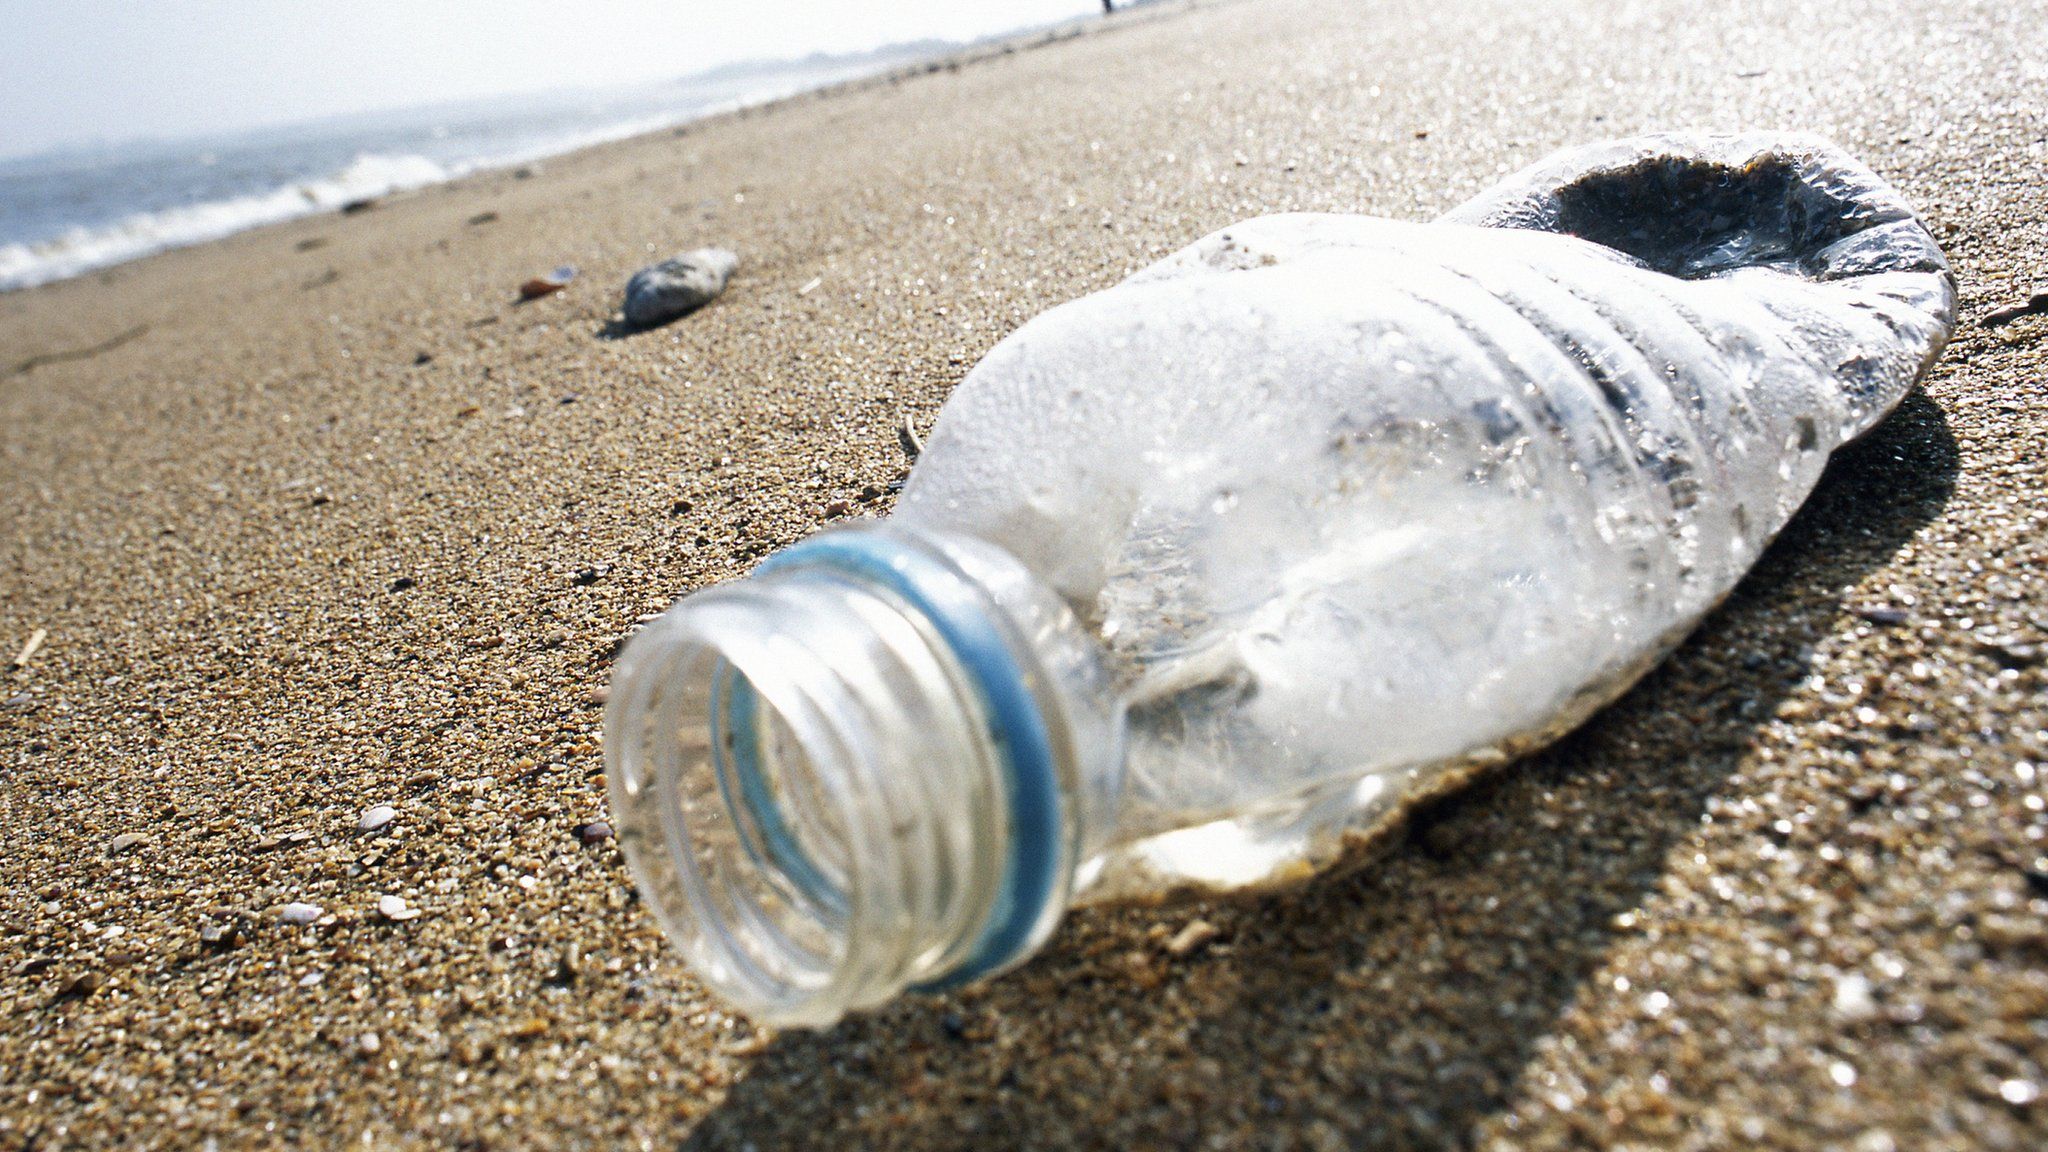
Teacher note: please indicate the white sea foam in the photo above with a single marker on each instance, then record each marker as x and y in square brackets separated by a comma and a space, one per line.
[84, 249]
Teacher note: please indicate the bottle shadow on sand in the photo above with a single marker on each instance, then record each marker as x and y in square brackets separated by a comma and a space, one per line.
[1393, 1007]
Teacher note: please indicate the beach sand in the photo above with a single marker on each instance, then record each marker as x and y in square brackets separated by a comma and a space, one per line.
[339, 525]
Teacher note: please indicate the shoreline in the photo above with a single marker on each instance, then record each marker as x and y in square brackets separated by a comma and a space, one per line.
[646, 127]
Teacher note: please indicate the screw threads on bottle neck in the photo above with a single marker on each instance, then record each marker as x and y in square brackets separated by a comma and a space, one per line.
[842, 778]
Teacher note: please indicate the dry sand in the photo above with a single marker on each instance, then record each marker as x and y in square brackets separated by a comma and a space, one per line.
[1792, 892]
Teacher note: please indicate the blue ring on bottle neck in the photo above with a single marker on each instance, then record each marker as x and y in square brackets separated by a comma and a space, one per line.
[758, 823]
[959, 613]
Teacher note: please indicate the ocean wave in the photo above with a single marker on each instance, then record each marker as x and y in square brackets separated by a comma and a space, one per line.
[84, 249]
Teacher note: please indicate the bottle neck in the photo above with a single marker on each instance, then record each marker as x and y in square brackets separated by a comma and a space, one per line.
[870, 766]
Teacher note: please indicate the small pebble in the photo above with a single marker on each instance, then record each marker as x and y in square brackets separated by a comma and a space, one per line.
[1852, 998]
[395, 908]
[370, 1043]
[126, 841]
[661, 292]
[376, 816]
[568, 964]
[298, 913]
[595, 832]
[2011, 653]
[2035, 305]
[2019, 1091]
[549, 284]
[1193, 936]
[80, 986]
[752, 1044]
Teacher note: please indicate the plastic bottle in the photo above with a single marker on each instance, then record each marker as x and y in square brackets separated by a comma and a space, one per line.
[1202, 579]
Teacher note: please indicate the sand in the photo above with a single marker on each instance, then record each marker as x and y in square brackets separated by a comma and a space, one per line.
[338, 525]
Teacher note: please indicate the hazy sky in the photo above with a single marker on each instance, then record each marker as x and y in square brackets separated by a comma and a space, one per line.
[73, 71]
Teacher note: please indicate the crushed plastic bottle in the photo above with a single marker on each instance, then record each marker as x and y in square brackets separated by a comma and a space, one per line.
[1206, 578]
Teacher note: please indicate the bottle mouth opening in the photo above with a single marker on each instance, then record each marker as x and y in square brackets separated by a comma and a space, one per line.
[839, 779]
[727, 789]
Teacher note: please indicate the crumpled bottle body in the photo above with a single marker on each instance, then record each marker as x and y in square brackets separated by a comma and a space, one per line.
[1356, 507]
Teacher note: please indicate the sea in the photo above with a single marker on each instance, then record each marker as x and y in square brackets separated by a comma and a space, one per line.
[69, 212]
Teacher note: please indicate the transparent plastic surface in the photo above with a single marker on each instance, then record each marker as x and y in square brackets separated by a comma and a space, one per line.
[1356, 505]
[1205, 577]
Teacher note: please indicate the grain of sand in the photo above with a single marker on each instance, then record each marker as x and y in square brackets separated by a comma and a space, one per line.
[343, 527]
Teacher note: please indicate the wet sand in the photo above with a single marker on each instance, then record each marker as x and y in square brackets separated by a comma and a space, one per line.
[338, 525]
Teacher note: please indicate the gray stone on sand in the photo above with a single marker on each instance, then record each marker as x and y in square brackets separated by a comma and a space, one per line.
[661, 292]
